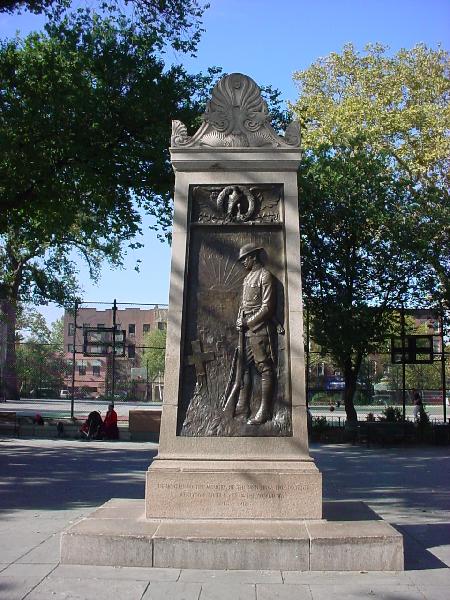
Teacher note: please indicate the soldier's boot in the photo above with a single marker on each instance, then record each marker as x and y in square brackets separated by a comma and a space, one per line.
[263, 413]
[243, 403]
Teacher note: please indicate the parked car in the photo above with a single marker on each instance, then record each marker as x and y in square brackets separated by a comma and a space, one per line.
[64, 394]
[44, 393]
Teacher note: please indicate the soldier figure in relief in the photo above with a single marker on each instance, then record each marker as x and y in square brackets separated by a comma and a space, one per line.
[255, 316]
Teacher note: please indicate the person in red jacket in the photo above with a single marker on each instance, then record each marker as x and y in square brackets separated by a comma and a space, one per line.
[110, 429]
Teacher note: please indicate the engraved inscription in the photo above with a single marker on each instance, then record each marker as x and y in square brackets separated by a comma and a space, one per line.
[223, 493]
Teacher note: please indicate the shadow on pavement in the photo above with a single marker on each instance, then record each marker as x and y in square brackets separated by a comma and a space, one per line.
[66, 477]
[408, 486]
[417, 555]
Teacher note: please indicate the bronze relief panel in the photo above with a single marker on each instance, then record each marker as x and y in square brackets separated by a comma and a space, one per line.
[234, 379]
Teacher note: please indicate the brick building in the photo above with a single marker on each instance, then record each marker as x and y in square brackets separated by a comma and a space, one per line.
[93, 373]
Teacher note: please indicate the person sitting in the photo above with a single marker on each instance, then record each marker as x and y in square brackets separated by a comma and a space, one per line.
[110, 429]
[93, 426]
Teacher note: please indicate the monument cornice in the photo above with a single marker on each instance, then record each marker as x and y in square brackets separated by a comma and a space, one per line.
[235, 159]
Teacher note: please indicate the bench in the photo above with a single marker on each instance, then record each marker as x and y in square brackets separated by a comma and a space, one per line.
[9, 422]
[144, 424]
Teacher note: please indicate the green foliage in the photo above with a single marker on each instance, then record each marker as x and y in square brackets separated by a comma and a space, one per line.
[177, 22]
[391, 414]
[395, 107]
[40, 355]
[399, 105]
[84, 129]
[154, 354]
[353, 252]
[86, 113]
[85, 119]
[375, 210]
[33, 6]
[319, 424]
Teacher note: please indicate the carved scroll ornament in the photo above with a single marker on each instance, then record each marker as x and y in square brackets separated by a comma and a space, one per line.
[235, 117]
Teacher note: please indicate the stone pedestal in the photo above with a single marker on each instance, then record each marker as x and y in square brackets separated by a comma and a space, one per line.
[271, 490]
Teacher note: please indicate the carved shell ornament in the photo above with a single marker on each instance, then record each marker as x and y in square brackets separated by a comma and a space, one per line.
[238, 205]
[236, 116]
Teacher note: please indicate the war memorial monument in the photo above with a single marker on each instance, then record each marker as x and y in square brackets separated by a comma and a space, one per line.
[233, 485]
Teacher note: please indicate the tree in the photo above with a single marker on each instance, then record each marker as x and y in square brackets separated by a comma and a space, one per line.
[177, 22]
[85, 121]
[353, 254]
[154, 353]
[397, 106]
[40, 355]
[373, 192]
[34, 6]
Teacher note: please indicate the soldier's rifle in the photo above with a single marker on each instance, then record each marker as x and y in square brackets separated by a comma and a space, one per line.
[232, 397]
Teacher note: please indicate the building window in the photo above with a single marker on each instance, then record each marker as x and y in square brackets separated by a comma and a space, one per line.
[145, 327]
[131, 351]
[161, 325]
[131, 329]
[71, 328]
[95, 370]
[81, 369]
[69, 347]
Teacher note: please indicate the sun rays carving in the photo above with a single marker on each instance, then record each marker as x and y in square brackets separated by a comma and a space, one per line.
[221, 273]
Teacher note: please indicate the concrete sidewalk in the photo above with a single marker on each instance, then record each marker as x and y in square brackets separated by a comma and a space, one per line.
[47, 484]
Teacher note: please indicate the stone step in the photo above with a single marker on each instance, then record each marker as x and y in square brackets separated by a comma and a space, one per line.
[117, 534]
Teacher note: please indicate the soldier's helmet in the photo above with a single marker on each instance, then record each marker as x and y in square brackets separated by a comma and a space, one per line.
[248, 249]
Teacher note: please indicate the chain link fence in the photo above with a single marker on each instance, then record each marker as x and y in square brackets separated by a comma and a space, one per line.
[115, 351]
[382, 382]
[96, 350]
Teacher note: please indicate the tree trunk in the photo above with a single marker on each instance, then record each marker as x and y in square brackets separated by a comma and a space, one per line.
[350, 377]
[10, 389]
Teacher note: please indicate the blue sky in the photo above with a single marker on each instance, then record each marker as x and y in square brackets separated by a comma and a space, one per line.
[268, 40]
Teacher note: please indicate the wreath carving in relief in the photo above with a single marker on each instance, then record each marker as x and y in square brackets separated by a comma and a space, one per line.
[237, 204]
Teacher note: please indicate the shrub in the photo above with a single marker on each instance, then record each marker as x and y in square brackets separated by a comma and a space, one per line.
[319, 424]
[392, 414]
[424, 419]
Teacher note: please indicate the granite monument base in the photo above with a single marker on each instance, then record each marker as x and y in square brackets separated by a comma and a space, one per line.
[233, 489]
[118, 534]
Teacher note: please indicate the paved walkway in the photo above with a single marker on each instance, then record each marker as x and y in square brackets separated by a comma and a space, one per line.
[47, 484]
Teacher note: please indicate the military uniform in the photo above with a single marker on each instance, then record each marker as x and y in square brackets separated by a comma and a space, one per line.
[256, 312]
[258, 307]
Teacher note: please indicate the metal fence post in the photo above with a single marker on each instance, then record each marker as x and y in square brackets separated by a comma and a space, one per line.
[443, 365]
[113, 365]
[307, 355]
[74, 341]
[402, 314]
